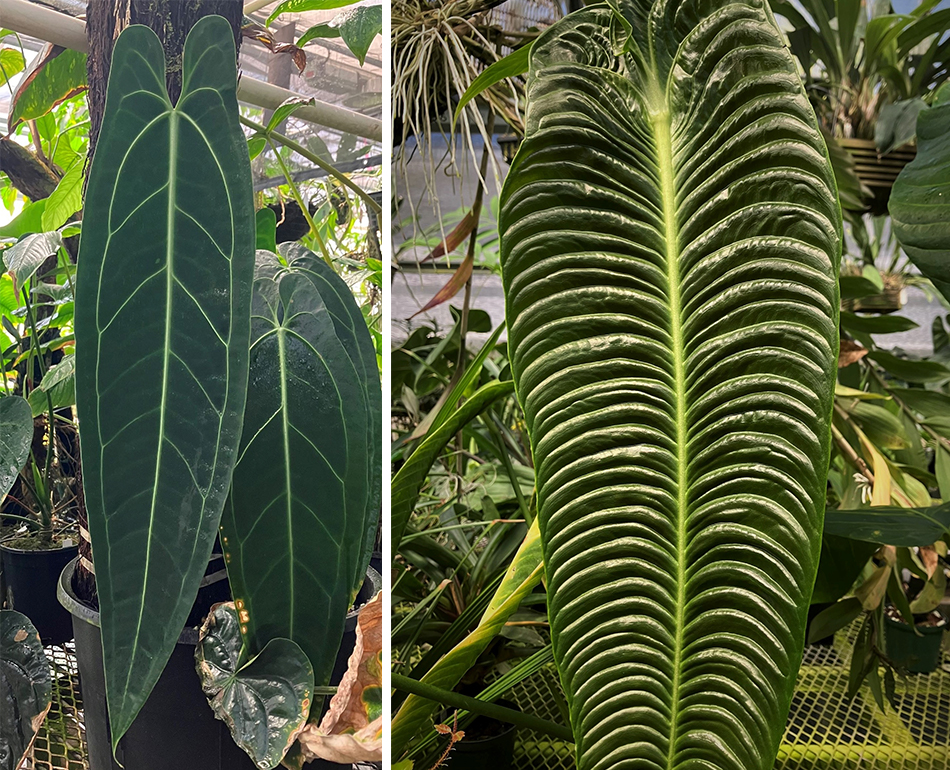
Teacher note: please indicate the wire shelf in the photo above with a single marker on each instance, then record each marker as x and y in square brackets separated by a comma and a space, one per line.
[824, 729]
[61, 741]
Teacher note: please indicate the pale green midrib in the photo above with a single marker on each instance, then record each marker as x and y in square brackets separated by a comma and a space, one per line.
[169, 291]
[282, 355]
[660, 118]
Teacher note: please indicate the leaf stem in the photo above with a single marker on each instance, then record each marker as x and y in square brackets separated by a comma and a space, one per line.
[491, 710]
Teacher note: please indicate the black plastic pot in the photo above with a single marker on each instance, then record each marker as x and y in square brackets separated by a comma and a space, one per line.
[31, 577]
[495, 751]
[918, 654]
[175, 728]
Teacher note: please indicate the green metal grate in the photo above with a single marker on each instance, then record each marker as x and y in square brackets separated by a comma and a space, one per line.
[825, 731]
[61, 741]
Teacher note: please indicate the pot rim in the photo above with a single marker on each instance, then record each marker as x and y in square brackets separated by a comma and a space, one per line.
[923, 629]
[76, 607]
[11, 549]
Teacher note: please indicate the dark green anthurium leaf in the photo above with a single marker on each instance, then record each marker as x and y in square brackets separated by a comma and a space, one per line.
[56, 75]
[16, 434]
[920, 201]
[162, 320]
[670, 241]
[306, 489]
[887, 525]
[265, 701]
[25, 687]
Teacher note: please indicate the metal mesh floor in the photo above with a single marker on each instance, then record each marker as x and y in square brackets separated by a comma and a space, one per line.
[61, 741]
[824, 730]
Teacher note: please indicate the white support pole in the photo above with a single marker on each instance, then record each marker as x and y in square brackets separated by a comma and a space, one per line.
[46, 24]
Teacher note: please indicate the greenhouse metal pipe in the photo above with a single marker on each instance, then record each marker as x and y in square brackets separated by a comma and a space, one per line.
[46, 24]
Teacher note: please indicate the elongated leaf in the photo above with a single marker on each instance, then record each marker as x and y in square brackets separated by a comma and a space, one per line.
[299, 6]
[920, 201]
[66, 199]
[511, 66]
[909, 369]
[407, 482]
[162, 321]
[305, 491]
[359, 27]
[888, 525]
[670, 246]
[523, 574]
[56, 75]
[16, 435]
[25, 687]
[265, 701]
[24, 258]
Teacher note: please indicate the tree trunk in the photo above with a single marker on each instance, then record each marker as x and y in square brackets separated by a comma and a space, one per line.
[171, 20]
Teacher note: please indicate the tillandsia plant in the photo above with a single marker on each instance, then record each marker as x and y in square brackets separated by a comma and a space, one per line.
[670, 247]
[168, 229]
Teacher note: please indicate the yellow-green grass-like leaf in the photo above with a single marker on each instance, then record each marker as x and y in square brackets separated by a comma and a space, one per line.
[408, 480]
[670, 247]
[306, 489]
[162, 332]
[523, 574]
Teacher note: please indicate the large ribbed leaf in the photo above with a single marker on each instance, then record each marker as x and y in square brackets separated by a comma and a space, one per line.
[670, 241]
[307, 485]
[162, 323]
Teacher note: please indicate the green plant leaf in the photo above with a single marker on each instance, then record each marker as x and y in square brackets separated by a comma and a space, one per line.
[299, 6]
[359, 27]
[25, 686]
[670, 246]
[318, 31]
[942, 468]
[930, 403]
[11, 63]
[910, 370]
[66, 199]
[834, 618]
[897, 124]
[58, 386]
[57, 74]
[888, 525]
[162, 324]
[24, 258]
[16, 435]
[920, 200]
[842, 560]
[265, 701]
[511, 66]
[523, 574]
[287, 108]
[876, 324]
[408, 480]
[305, 491]
[856, 287]
[266, 219]
[29, 220]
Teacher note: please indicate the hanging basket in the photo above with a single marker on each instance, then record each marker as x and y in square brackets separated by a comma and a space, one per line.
[878, 171]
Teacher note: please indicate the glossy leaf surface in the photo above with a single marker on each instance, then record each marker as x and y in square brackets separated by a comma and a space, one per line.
[920, 200]
[306, 488]
[162, 322]
[25, 687]
[16, 435]
[265, 701]
[670, 246]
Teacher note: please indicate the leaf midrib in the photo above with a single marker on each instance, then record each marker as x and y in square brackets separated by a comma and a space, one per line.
[660, 119]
